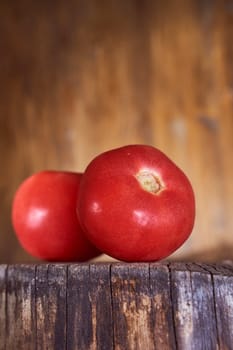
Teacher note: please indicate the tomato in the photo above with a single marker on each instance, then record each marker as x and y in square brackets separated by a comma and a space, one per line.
[44, 217]
[135, 204]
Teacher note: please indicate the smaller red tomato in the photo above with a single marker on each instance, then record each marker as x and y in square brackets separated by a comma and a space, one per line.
[44, 217]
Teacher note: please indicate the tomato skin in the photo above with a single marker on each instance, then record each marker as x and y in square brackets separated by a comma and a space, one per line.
[126, 221]
[44, 217]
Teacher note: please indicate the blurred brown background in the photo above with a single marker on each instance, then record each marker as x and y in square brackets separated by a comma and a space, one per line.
[80, 77]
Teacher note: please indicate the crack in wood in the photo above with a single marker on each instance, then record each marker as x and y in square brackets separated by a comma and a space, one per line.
[172, 305]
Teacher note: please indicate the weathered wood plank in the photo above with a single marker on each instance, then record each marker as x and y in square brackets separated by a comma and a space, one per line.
[182, 304]
[79, 313]
[3, 272]
[132, 309]
[20, 307]
[89, 318]
[51, 306]
[215, 269]
[162, 310]
[223, 297]
[101, 301]
[225, 270]
[194, 315]
[204, 321]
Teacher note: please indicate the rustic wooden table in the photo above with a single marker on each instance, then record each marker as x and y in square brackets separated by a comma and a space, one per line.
[116, 306]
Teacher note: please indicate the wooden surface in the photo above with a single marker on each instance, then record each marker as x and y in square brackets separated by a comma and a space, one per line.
[116, 306]
[80, 77]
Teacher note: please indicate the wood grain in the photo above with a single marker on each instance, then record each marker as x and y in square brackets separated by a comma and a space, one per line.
[51, 302]
[194, 305]
[20, 308]
[162, 309]
[78, 78]
[3, 284]
[116, 306]
[224, 309]
[133, 328]
[89, 310]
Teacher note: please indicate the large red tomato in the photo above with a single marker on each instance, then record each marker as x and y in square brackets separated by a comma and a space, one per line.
[44, 217]
[135, 204]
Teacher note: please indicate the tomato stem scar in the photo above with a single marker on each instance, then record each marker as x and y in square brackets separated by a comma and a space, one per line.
[149, 182]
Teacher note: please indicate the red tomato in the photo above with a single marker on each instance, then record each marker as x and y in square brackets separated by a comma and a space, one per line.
[135, 204]
[44, 217]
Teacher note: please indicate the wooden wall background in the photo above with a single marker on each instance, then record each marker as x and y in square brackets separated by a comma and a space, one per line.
[79, 77]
